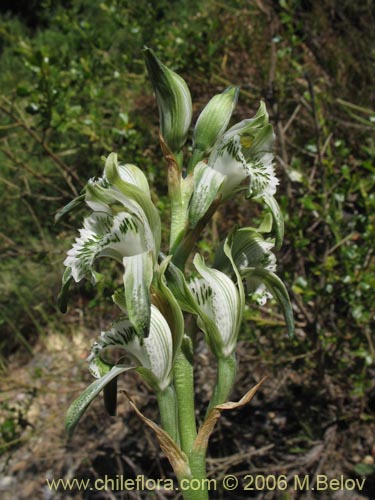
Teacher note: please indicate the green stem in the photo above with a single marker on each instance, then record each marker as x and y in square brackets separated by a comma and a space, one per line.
[168, 412]
[197, 462]
[195, 158]
[226, 373]
[184, 384]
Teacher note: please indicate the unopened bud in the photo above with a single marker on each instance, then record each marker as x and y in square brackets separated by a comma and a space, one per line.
[174, 101]
[214, 119]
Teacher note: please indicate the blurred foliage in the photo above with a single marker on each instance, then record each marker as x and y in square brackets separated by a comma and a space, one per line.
[74, 89]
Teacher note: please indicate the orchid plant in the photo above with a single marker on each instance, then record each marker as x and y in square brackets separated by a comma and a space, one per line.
[163, 300]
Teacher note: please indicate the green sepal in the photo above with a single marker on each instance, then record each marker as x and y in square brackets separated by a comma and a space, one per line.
[62, 298]
[168, 305]
[80, 405]
[277, 218]
[277, 288]
[134, 192]
[72, 205]
[110, 397]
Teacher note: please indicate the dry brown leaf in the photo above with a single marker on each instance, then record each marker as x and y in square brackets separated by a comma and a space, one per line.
[208, 425]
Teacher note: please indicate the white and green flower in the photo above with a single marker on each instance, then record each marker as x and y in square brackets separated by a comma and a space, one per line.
[216, 300]
[246, 151]
[153, 356]
[105, 235]
[252, 259]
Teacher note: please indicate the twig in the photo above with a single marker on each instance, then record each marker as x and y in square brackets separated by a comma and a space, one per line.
[40, 177]
[64, 169]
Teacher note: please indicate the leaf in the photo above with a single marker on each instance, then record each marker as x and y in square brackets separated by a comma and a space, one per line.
[364, 469]
[208, 425]
[176, 457]
[80, 405]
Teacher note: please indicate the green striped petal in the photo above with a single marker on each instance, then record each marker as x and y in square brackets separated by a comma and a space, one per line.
[101, 197]
[124, 187]
[278, 219]
[127, 173]
[246, 151]
[137, 281]
[213, 121]
[154, 353]
[104, 235]
[218, 300]
[207, 183]
[174, 101]
[273, 284]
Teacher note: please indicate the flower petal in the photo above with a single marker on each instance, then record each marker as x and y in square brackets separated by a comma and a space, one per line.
[137, 281]
[230, 162]
[127, 173]
[154, 353]
[278, 219]
[207, 183]
[105, 235]
[213, 121]
[277, 288]
[218, 297]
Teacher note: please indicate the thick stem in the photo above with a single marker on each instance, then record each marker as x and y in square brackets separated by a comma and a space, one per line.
[184, 384]
[168, 412]
[197, 462]
[226, 373]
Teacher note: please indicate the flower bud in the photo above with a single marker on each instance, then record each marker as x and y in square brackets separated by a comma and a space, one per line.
[174, 101]
[214, 119]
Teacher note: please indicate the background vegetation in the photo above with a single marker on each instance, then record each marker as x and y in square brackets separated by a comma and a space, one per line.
[74, 88]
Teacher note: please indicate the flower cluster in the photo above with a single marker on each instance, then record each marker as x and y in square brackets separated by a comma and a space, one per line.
[124, 225]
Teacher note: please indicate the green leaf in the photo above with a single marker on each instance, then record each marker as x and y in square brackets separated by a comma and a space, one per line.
[80, 405]
[364, 469]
